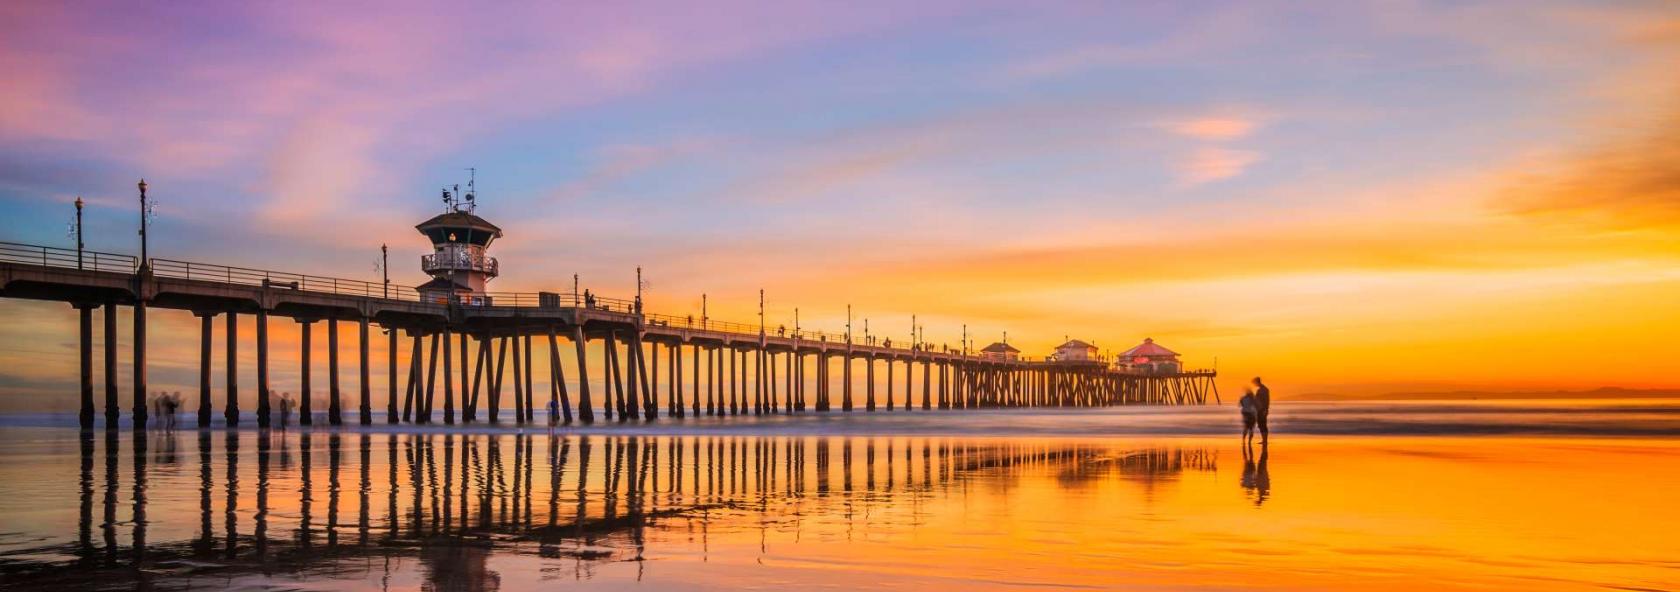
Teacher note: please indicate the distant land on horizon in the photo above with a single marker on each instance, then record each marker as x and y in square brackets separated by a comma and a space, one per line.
[1599, 393]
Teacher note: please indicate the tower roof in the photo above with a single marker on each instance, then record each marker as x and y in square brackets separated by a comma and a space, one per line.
[1000, 347]
[459, 220]
[1149, 349]
[459, 226]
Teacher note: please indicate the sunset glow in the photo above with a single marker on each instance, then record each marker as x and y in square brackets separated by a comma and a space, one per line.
[1345, 197]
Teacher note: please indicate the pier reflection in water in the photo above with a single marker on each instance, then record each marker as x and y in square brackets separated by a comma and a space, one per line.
[169, 510]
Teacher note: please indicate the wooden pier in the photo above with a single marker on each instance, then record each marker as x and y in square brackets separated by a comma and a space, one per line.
[462, 352]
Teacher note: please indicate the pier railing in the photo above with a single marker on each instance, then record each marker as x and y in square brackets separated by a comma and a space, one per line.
[187, 270]
[705, 324]
[67, 258]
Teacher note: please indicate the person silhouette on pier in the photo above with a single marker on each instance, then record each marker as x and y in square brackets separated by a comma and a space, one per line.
[1263, 408]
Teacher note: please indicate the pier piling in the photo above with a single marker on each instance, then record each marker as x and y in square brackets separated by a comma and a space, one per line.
[84, 374]
[205, 327]
[306, 413]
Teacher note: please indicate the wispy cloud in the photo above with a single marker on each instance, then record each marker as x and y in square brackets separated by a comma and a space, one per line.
[1214, 127]
[1213, 163]
[1629, 181]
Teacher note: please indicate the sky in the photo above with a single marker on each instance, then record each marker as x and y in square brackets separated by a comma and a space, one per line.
[1343, 197]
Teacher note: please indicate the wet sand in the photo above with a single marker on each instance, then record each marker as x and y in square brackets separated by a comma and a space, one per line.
[769, 505]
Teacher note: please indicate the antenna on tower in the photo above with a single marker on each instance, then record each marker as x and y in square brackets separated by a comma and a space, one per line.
[472, 189]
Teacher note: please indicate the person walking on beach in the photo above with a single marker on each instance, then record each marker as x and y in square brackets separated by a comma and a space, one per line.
[1263, 408]
[1250, 413]
[285, 410]
[553, 412]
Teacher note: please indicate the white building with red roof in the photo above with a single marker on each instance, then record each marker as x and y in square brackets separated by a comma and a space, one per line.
[1149, 358]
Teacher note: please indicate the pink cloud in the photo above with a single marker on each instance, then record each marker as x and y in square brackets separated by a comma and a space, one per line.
[1214, 128]
[1209, 164]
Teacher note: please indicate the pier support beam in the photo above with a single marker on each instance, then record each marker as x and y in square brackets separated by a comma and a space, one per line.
[740, 378]
[733, 384]
[787, 397]
[84, 337]
[306, 411]
[909, 383]
[889, 383]
[711, 381]
[205, 327]
[425, 414]
[469, 403]
[495, 380]
[609, 377]
[448, 381]
[846, 376]
[637, 379]
[263, 411]
[770, 381]
[557, 390]
[139, 348]
[414, 361]
[364, 408]
[335, 404]
[111, 406]
[466, 367]
[650, 409]
[530, 386]
[586, 410]
[230, 409]
[518, 383]
[821, 381]
[927, 384]
[673, 380]
[869, 389]
[694, 400]
[391, 345]
[944, 385]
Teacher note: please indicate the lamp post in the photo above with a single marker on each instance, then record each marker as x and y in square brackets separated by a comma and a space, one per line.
[78, 232]
[848, 323]
[385, 268]
[145, 260]
[761, 315]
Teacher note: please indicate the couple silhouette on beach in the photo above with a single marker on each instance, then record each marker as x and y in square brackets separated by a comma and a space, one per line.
[1256, 405]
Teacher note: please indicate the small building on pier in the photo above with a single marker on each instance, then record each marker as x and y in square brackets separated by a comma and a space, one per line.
[1075, 351]
[459, 265]
[1000, 351]
[1149, 358]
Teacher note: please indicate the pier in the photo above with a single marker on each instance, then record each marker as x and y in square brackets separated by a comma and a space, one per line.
[474, 348]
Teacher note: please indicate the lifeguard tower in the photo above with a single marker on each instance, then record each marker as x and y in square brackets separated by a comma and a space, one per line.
[459, 264]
